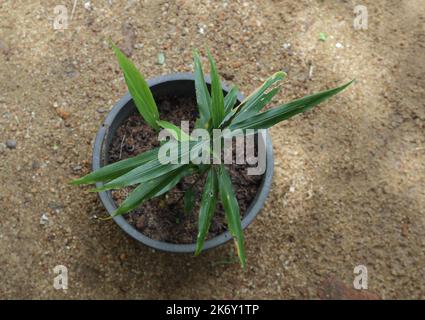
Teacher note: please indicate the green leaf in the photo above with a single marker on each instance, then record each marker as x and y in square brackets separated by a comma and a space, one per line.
[189, 200]
[270, 117]
[322, 36]
[116, 169]
[203, 97]
[155, 167]
[138, 88]
[142, 174]
[231, 208]
[251, 102]
[208, 204]
[230, 99]
[182, 172]
[265, 99]
[217, 100]
[177, 132]
[147, 191]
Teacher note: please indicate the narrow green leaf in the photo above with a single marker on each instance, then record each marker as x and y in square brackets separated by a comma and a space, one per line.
[254, 98]
[270, 117]
[139, 89]
[182, 172]
[116, 169]
[260, 104]
[156, 167]
[142, 174]
[230, 99]
[208, 204]
[203, 97]
[231, 208]
[217, 100]
[147, 191]
[189, 200]
[244, 109]
[177, 132]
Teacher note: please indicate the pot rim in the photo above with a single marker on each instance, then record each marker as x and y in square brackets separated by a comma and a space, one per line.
[109, 203]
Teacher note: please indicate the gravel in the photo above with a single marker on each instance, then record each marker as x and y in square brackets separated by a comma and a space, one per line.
[11, 144]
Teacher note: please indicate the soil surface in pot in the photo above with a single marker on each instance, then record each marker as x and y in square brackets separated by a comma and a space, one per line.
[163, 218]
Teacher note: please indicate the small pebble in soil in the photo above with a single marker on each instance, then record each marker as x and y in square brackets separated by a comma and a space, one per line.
[77, 168]
[129, 148]
[63, 113]
[87, 5]
[43, 219]
[11, 144]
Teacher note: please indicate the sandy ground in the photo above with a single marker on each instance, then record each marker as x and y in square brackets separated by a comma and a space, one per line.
[349, 185]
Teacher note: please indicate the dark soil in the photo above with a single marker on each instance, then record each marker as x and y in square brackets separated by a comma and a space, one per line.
[163, 218]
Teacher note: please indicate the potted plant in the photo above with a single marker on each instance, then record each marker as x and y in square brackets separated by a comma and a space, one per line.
[152, 180]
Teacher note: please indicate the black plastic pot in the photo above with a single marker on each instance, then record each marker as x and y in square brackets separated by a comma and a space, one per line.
[176, 84]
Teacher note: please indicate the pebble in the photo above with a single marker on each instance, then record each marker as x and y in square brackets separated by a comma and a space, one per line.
[339, 45]
[286, 45]
[35, 165]
[63, 113]
[11, 144]
[87, 5]
[77, 168]
[43, 219]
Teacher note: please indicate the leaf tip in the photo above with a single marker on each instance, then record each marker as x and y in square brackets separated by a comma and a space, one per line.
[280, 75]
